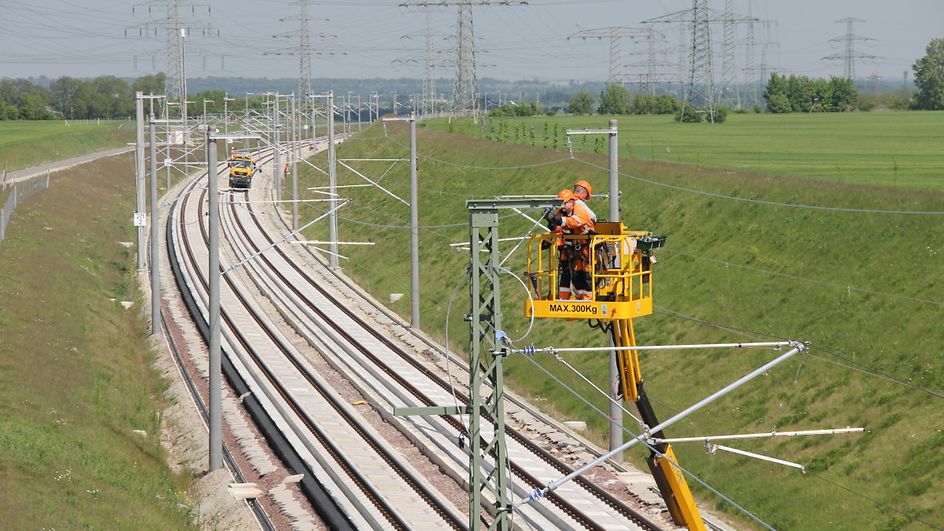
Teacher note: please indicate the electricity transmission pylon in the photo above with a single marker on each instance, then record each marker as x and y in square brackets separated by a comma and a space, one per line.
[757, 71]
[428, 97]
[465, 95]
[700, 86]
[615, 35]
[654, 62]
[302, 49]
[849, 54]
[176, 28]
[728, 56]
[701, 78]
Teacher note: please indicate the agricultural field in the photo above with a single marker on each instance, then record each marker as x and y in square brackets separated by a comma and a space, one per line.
[80, 404]
[901, 149]
[749, 256]
[29, 143]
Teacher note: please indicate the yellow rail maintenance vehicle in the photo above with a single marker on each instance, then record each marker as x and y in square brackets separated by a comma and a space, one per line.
[620, 270]
[241, 171]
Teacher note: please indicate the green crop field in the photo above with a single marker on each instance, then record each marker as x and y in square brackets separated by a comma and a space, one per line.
[884, 148]
[75, 366]
[28, 143]
[865, 288]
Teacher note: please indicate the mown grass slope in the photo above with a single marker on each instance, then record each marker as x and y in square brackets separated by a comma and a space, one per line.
[883, 148]
[75, 376]
[865, 288]
[25, 143]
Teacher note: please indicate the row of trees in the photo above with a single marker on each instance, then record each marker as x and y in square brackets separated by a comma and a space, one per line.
[929, 77]
[615, 99]
[802, 94]
[105, 97]
[71, 98]
[515, 109]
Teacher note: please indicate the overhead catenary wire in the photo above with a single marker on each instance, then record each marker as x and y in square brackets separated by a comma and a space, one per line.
[553, 350]
[681, 188]
[605, 394]
[452, 386]
[689, 474]
[763, 201]
[879, 503]
[553, 485]
[282, 239]
[530, 300]
[853, 364]
[805, 279]
[861, 210]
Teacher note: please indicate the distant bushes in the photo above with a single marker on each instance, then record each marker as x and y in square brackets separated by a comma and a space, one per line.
[616, 100]
[693, 114]
[899, 100]
[661, 104]
[513, 109]
[802, 94]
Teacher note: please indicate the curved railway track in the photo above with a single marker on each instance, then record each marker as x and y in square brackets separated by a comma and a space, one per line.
[276, 360]
[376, 365]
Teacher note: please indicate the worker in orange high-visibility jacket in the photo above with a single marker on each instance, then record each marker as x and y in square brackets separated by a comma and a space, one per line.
[574, 217]
[582, 191]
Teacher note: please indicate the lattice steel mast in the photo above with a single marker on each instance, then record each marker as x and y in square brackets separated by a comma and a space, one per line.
[465, 94]
[849, 54]
[176, 28]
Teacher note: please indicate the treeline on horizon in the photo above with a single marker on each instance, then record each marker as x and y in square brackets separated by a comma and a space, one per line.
[110, 97]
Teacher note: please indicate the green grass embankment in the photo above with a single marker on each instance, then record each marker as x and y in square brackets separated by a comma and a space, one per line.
[865, 288]
[29, 143]
[880, 148]
[75, 367]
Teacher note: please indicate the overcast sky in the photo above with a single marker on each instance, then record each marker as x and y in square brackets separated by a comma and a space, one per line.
[367, 38]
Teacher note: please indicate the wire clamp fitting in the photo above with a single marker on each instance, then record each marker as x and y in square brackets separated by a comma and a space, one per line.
[501, 337]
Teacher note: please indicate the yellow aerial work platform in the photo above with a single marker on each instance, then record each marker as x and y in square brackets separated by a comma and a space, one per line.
[619, 266]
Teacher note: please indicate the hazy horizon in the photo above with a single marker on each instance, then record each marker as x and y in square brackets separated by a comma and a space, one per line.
[361, 39]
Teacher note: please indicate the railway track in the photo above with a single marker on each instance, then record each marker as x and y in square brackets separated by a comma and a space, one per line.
[307, 410]
[326, 432]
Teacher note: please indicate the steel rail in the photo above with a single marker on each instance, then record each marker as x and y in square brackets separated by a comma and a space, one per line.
[416, 484]
[325, 506]
[378, 502]
[332, 448]
[262, 518]
[452, 358]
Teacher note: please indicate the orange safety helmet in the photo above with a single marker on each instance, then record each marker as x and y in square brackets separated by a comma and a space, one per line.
[566, 195]
[586, 186]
